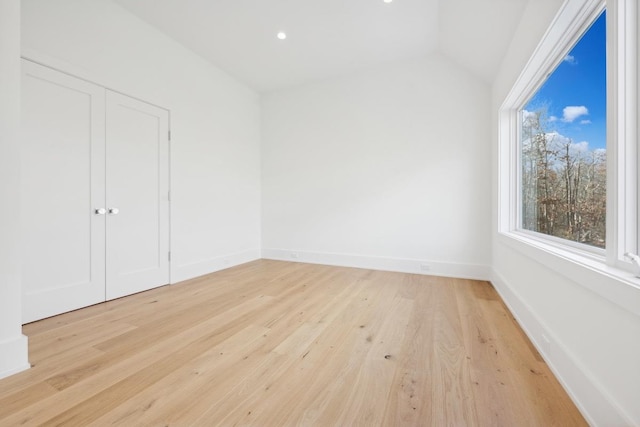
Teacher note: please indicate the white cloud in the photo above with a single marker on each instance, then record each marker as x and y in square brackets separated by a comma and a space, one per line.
[557, 138]
[585, 122]
[572, 112]
[580, 147]
[570, 59]
[558, 143]
[529, 118]
[528, 115]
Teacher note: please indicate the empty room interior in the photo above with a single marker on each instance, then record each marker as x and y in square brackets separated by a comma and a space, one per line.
[363, 212]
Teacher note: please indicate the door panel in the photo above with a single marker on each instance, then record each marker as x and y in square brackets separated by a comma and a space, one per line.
[62, 183]
[137, 162]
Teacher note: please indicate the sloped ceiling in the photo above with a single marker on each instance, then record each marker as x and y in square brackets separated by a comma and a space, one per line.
[327, 38]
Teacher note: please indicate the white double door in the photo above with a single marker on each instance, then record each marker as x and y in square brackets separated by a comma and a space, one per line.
[95, 193]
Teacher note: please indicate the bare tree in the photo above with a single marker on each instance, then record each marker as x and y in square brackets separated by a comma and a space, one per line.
[563, 185]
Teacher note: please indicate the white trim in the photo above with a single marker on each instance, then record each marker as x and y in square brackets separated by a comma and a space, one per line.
[73, 70]
[634, 29]
[596, 254]
[594, 402]
[622, 129]
[200, 268]
[567, 27]
[614, 285]
[573, 18]
[622, 160]
[14, 356]
[402, 265]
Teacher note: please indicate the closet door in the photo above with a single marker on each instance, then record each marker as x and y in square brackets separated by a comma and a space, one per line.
[137, 164]
[63, 183]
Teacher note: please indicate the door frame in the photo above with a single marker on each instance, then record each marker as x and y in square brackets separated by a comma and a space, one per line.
[70, 70]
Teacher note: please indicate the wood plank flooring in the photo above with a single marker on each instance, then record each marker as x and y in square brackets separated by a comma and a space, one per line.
[272, 343]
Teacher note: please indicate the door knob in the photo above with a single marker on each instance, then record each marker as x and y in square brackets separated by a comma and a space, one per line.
[114, 211]
[100, 211]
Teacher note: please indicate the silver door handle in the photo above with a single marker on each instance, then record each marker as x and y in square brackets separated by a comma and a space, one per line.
[100, 211]
[114, 211]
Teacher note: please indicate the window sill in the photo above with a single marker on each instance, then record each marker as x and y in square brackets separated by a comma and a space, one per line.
[615, 285]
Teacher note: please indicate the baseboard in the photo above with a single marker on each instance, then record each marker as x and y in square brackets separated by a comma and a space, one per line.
[402, 265]
[14, 356]
[597, 406]
[200, 268]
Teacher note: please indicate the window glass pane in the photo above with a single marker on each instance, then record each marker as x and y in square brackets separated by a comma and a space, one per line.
[563, 146]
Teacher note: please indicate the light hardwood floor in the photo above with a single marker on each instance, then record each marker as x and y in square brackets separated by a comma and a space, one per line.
[274, 344]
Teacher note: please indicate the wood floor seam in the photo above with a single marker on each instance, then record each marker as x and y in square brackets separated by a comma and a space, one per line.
[272, 343]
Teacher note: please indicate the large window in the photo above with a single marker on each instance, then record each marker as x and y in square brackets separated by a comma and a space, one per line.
[562, 148]
[568, 142]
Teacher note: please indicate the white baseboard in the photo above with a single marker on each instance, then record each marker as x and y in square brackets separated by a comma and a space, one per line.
[14, 356]
[402, 265]
[595, 404]
[200, 268]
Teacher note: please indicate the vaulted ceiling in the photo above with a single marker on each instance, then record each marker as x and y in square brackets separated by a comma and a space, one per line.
[327, 38]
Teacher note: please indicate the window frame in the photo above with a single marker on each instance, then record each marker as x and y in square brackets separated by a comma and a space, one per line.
[622, 130]
[564, 47]
[623, 155]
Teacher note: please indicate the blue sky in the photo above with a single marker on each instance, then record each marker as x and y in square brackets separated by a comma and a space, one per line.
[575, 94]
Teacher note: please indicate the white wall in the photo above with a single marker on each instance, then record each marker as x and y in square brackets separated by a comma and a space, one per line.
[593, 343]
[215, 121]
[388, 168]
[385, 169]
[13, 345]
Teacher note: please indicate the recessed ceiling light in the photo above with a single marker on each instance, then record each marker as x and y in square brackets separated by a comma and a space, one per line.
[387, 1]
[282, 35]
